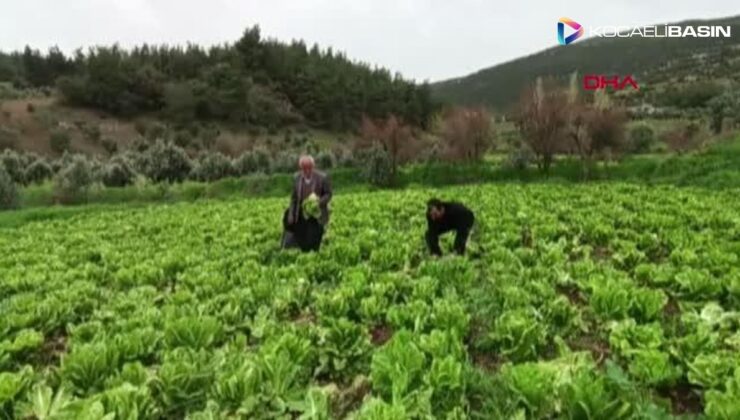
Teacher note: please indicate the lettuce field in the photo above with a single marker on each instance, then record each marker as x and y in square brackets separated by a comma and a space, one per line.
[603, 301]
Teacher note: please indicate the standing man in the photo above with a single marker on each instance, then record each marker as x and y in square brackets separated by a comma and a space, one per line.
[443, 217]
[300, 231]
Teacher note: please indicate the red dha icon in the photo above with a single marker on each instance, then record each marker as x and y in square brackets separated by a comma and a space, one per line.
[599, 81]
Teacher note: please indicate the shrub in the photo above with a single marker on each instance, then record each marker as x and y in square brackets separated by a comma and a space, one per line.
[31, 108]
[60, 141]
[38, 172]
[208, 136]
[285, 162]
[683, 139]
[325, 160]
[345, 158]
[605, 134]
[212, 166]
[433, 152]
[690, 95]
[72, 182]
[96, 166]
[156, 131]
[165, 162]
[302, 128]
[56, 166]
[118, 172]
[519, 158]
[140, 144]
[193, 129]
[252, 162]
[28, 158]
[183, 138]
[377, 167]
[255, 131]
[8, 138]
[110, 146]
[310, 147]
[642, 139]
[63, 161]
[8, 190]
[140, 128]
[14, 165]
[137, 160]
[92, 132]
[722, 107]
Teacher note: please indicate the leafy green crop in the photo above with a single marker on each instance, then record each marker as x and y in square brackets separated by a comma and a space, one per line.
[574, 302]
[311, 206]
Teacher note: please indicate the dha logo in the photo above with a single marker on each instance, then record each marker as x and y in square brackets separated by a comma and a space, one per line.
[599, 81]
[579, 31]
[660, 31]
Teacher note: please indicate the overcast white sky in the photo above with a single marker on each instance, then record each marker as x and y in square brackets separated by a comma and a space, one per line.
[422, 39]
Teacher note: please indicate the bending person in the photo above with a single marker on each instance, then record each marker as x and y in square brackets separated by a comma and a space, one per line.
[443, 217]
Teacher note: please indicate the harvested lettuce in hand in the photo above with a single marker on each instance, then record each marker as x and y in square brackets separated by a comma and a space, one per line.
[311, 206]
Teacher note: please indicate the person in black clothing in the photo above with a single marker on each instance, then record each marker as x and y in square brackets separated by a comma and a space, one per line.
[443, 217]
[306, 232]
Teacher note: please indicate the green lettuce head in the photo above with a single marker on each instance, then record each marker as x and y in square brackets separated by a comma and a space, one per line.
[311, 206]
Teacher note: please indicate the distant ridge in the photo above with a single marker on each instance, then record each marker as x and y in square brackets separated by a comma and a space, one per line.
[653, 60]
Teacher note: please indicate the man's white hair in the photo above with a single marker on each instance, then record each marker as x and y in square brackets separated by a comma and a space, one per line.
[306, 160]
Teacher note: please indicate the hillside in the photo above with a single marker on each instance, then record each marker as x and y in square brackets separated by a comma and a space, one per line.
[254, 87]
[654, 61]
[28, 124]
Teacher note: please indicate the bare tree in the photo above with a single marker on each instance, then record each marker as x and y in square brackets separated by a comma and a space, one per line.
[596, 130]
[542, 119]
[467, 133]
[393, 136]
[606, 128]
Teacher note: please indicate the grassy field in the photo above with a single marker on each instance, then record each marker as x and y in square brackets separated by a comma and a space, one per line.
[608, 300]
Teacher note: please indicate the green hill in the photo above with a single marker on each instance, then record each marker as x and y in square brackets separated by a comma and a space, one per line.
[254, 92]
[253, 82]
[656, 63]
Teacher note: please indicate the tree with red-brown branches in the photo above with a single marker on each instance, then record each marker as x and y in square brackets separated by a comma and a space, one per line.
[392, 137]
[467, 133]
[596, 130]
[542, 118]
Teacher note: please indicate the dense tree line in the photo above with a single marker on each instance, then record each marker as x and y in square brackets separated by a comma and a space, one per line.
[31, 68]
[254, 81]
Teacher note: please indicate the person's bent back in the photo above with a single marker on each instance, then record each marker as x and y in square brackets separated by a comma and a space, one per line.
[443, 217]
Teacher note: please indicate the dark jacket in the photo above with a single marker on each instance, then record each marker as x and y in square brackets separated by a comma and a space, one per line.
[456, 217]
[320, 186]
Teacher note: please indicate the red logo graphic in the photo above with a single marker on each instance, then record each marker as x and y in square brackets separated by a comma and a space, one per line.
[600, 81]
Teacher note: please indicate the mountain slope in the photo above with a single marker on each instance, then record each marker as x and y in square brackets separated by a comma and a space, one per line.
[652, 60]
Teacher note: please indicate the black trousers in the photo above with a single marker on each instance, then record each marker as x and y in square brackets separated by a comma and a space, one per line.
[461, 240]
[307, 235]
